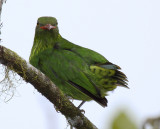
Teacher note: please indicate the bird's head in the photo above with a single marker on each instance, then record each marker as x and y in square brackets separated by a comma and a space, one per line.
[47, 25]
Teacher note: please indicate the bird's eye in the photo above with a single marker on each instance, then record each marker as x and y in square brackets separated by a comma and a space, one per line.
[55, 24]
[37, 23]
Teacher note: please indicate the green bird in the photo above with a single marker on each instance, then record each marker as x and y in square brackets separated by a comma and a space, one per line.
[79, 72]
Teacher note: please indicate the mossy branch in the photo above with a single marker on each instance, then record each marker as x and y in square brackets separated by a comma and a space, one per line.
[45, 87]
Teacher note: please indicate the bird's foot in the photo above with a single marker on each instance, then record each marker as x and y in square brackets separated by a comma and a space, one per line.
[82, 111]
[81, 104]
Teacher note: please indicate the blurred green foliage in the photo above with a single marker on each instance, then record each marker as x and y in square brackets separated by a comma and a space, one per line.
[123, 121]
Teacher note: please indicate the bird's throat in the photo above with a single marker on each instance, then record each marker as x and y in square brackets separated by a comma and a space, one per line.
[42, 42]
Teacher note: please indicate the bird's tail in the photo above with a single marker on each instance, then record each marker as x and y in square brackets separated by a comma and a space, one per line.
[109, 76]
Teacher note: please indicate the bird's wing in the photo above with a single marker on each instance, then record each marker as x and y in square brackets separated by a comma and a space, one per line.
[101, 66]
[98, 64]
[65, 65]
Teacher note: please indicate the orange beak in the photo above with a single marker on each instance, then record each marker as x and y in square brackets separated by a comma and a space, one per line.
[48, 27]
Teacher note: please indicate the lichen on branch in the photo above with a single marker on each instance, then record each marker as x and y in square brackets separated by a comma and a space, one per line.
[9, 81]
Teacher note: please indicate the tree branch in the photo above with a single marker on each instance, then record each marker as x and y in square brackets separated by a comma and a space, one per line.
[153, 122]
[46, 87]
[1, 3]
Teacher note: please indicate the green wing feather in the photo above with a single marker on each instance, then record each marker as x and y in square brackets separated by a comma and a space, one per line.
[98, 64]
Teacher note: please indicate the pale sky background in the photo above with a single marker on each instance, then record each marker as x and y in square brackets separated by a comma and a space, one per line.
[126, 32]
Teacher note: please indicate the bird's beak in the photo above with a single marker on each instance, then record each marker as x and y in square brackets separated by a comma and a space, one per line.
[48, 27]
